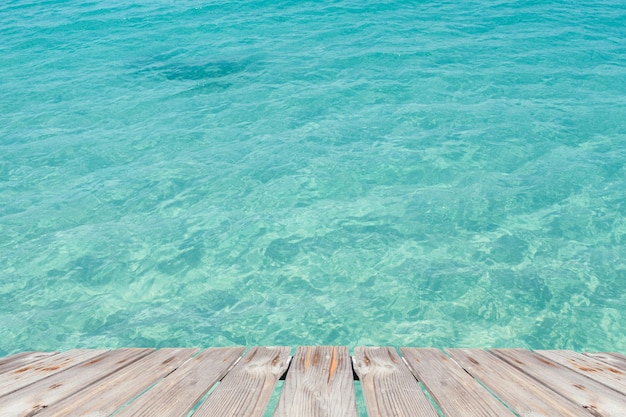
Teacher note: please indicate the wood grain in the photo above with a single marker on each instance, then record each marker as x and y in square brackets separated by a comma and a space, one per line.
[525, 395]
[319, 383]
[176, 394]
[591, 368]
[613, 359]
[389, 387]
[32, 372]
[114, 391]
[589, 394]
[22, 359]
[454, 390]
[48, 391]
[248, 387]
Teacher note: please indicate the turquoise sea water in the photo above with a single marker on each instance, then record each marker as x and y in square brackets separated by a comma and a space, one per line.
[207, 173]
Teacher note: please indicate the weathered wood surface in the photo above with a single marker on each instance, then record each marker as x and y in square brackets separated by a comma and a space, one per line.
[589, 394]
[21, 359]
[320, 383]
[180, 391]
[114, 391]
[389, 388]
[43, 368]
[48, 391]
[614, 359]
[591, 368]
[456, 392]
[247, 388]
[525, 395]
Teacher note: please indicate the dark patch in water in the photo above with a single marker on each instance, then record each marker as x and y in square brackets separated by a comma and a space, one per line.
[211, 70]
[509, 249]
[196, 72]
[282, 251]
[205, 88]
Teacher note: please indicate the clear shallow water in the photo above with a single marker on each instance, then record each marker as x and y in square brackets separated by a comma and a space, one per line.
[207, 173]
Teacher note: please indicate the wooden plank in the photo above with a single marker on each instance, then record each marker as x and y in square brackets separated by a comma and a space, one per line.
[180, 391]
[589, 394]
[114, 391]
[46, 392]
[43, 368]
[525, 395]
[248, 387]
[20, 360]
[591, 368]
[613, 359]
[389, 387]
[320, 383]
[454, 390]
